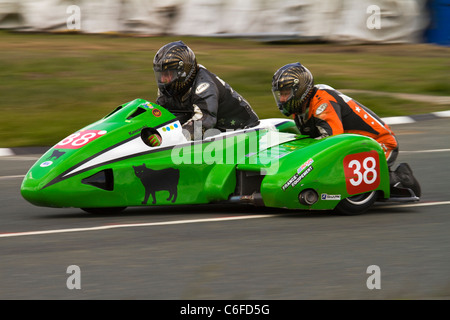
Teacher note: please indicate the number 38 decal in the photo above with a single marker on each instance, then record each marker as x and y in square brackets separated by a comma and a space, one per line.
[79, 139]
[362, 172]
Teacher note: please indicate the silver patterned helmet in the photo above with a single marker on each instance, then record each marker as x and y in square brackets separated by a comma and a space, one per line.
[292, 86]
[175, 67]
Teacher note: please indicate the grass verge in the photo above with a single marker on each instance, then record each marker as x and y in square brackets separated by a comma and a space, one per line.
[53, 84]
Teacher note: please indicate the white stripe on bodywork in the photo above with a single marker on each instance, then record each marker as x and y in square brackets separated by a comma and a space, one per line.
[175, 136]
[131, 147]
[135, 146]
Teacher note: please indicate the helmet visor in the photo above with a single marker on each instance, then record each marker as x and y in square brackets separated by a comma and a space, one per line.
[283, 96]
[166, 77]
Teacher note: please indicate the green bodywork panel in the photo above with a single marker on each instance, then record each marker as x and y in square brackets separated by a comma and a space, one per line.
[107, 164]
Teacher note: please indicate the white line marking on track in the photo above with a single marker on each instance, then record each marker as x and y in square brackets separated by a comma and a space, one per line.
[176, 222]
[19, 158]
[418, 204]
[132, 225]
[12, 177]
[426, 151]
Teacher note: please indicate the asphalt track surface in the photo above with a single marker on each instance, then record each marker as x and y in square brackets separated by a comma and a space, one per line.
[235, 252]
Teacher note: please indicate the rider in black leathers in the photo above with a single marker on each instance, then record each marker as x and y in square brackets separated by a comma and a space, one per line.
[196, 95]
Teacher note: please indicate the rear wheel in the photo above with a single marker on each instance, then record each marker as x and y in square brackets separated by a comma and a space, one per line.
[357, 204]
[110, 210]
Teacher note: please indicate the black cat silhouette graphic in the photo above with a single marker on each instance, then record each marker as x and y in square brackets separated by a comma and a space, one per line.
[56, 154]
[158, 180]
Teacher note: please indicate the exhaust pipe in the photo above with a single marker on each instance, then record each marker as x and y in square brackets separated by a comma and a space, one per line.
[255, 199]
[308, 197]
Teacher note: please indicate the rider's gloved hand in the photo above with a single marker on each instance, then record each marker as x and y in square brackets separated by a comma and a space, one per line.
[154, 140]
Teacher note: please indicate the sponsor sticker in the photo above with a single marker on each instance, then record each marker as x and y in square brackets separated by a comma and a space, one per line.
[326, 196]
[147, 105]
[170, 127]
[306, 164]
[201, 87]
[46, 164]
[296, 178]
[321, 108]
[156, 112]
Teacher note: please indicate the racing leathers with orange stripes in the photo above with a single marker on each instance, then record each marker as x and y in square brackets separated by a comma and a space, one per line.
[330, 112]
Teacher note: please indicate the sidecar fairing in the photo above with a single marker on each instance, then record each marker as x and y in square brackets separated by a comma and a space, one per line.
[109, 165]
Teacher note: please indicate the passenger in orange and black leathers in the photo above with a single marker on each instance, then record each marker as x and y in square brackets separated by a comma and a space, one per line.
[321, 111]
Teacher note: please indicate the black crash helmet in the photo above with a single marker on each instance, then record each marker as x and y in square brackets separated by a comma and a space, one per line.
[292, 85]
[175, 68]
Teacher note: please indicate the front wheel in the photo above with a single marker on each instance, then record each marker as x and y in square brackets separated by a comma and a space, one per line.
[110, 210]
[357, 204]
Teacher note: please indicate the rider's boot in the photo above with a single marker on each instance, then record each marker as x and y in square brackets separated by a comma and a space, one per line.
[403, 177]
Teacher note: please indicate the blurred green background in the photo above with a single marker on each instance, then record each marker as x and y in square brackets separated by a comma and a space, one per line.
[53, 84]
